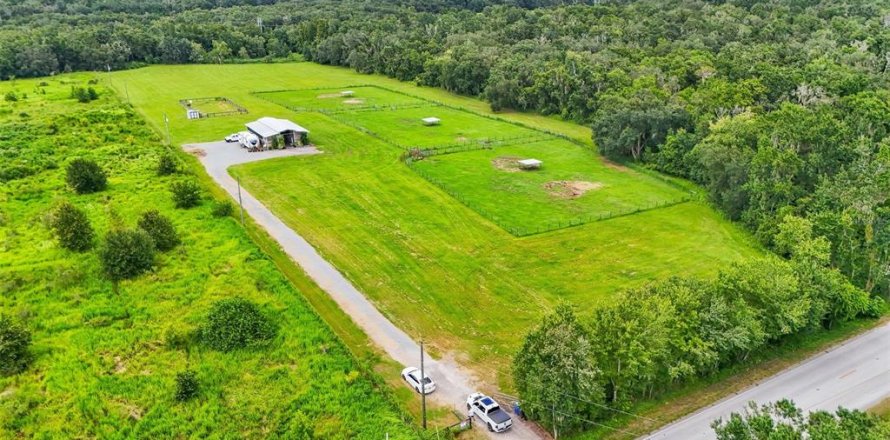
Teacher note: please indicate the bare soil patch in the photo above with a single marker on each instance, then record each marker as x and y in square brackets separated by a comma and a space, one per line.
[353, 101]
[509, 164]
[570, 189]
[461, 139]
[329, 96]
[197, 152]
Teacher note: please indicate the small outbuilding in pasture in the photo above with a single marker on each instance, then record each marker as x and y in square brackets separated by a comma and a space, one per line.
[529, 164]
[278, 133]
[347, 93]
[431, 121]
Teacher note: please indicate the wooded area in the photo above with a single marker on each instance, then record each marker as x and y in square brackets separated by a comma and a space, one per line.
[775, 107]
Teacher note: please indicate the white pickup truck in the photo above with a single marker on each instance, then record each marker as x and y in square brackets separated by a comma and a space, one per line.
[488, 412]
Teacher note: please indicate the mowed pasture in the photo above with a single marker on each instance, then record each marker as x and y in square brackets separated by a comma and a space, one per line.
[405, 128]
[572, 187]
[105, 361]
[437, 268]
[340, 98]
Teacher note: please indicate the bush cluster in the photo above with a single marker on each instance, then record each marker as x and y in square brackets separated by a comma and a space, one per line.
[186, 194]
[126, 254]
[72, 228]
[85, 176]
[186, 385]
[160, 229]
[236, 323]
[15, 341]
[222, 208]
[10, 96]
[166, 165]
[84, 95]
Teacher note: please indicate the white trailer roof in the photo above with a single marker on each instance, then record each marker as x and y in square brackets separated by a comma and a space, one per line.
[268, 127]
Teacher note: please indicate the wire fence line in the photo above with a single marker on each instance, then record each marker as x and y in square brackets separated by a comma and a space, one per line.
[474, 144]
[549, 226]
[414, 153]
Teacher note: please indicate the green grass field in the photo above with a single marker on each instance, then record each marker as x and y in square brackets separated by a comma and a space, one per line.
[102, 365]
[404, 127]
[438, 269]
[333, 99]
[574, 186]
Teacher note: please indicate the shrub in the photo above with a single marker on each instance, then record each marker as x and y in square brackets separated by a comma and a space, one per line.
[160, 229]
[126, 254]
[166, 165]
[222, 208]
[85, 176]
[84, 95]
[236, 323]
[186, 194]
[15, 341]
[72, 228]
[186, 385]
[10, 96]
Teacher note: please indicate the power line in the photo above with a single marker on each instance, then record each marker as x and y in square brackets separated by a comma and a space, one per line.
[608, 407]
[624, 431]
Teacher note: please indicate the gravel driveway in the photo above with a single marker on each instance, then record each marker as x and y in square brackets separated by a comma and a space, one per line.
[454, 382]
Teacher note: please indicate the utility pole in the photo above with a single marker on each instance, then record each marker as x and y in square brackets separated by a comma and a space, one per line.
[240, 205]
[422, 387]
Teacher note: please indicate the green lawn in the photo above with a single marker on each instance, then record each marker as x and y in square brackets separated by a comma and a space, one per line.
[573, 186]
[103, 366]
[404, 127]
[440, 270]
[333, 99]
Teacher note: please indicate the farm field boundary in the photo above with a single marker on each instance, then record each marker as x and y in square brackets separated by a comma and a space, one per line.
[330, 97]
[551, 226]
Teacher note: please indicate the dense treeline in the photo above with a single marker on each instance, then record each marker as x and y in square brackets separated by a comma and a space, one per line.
[776, 107]
[569, 370]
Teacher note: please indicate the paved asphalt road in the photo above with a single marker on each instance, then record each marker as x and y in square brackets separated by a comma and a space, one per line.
[855, 374]
[454, 382]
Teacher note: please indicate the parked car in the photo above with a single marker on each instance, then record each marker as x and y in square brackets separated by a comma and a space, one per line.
[234, 137]
[412, 376]
[488, 412]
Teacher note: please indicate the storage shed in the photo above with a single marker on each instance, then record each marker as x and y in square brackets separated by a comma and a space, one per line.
[431, 121]
[278, 133]
[530, 164]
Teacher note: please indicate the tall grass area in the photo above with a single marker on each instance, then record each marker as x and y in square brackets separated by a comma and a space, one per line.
[104, 363]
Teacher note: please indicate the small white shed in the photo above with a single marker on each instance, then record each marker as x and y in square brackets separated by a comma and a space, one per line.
[431, 121]
[530, 164]
[347, 93]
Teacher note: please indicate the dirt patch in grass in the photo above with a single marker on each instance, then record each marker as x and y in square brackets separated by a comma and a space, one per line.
[461, 139]
[570, 189]
[509, 164]
[197, 152]
[329, 96]
[353, 101]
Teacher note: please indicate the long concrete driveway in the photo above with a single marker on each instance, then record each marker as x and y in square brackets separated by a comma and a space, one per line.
[855, 374]
[454, 382]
